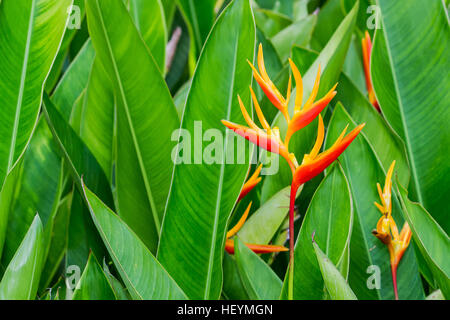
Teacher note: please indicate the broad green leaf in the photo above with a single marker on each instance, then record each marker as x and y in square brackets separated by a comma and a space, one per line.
[79, 159]
[363, 172]
[271, 22]
[328, 19]
[119, 290]
[353, 65]
[74, 81]
[144, 277]
[38, 191]
[169, 7]
[366, 15]
[82, 236]
[58, 242]
[431, 239]
[233, 288]
[93, 284]
[330, 218]
[146, 118]
[76, 20]
[263, 224]
[408, 60]
[21, 278]
[30, 34]
[303, 58]
[97, 123]
[331, 60]
[148, 16]
[200, 19]
[337, 286]
[299, 33]
[180, 98]
[7, 196]
[259, 280]
[384, 141]
[204, 193]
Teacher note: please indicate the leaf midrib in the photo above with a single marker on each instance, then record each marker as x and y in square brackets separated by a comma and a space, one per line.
[402, 116]
[221, 178]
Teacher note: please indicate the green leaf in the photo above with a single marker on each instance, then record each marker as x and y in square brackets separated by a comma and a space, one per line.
[30, 34]
[93, 284]
[74, 82]
[337, 286]
[431, 239]
[330, 218]
[259, 280]
[38, 190]
[271, 22]
[363, 172]
[7, 196]
[148, 16]
[146, 118]
[200, 19]
[144, 277]
[21, 278]
[79, 159]
[233, 288]
[385, 142]
[202, 194]
[263, 224]
[66, 48]
[98, 113]
[299, 33]
[408, 82]
[328, 19]
[58, 242]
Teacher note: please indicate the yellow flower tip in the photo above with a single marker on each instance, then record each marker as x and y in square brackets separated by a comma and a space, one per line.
[240, 223]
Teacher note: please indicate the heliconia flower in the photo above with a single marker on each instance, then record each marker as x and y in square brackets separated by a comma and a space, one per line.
[250, 183]
[314, 163]
[268, 139]
[367, 52]
[257, 248]
[387, 230]
[310, 110]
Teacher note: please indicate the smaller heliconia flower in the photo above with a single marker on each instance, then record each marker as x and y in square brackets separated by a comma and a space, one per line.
[251, 183]
[387, 230]
[367, 52]
[257, 248]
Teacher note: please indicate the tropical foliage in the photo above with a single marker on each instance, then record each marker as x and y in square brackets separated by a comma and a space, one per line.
[126, 170]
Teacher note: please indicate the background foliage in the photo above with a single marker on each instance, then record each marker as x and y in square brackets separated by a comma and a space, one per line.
[93, 207]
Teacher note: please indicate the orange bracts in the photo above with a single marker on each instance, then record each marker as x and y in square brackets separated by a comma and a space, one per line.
[367, 52]
[310, 110]
[270, 90]
[257, 248]
[269, 138]
[314, 163]
[251, 183]
[387, 230]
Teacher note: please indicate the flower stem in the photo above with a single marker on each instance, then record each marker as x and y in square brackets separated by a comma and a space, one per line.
[294, 189]
[394, 279]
